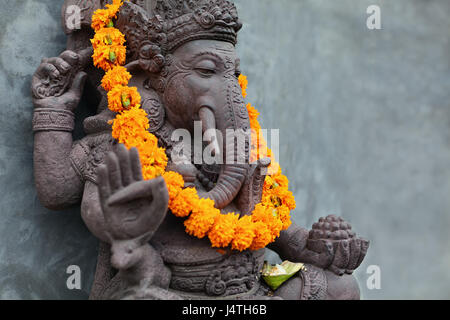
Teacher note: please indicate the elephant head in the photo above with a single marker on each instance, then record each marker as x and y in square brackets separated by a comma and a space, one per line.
[189, 59]
[202, 85]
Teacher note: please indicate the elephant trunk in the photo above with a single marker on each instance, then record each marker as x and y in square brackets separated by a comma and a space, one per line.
[233, 122]
[208, 120]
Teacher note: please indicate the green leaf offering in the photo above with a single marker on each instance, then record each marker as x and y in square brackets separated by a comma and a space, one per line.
[276, 275]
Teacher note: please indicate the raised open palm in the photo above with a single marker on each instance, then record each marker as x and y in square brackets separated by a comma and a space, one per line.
[132, 207]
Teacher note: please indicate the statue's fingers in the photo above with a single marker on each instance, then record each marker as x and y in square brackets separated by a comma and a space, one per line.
[70, 57]
[364, 247]
[355, 252]
[135, 191]
[342, 255]
[336, 270]
[322, 260]
[60, 64]
[125, 164]
[319, 246]
[115, 178]
[103, 183]
[136, 167]
[40, 73]
[47, 70]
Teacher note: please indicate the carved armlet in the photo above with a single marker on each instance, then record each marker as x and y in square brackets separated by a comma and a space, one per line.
[88, 154]
[45, 119]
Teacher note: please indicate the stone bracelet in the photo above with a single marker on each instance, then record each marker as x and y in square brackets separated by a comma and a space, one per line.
[53, 120]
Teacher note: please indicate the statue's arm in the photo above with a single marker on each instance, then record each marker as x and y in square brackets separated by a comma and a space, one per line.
[330, 245]
[291, 243]
[57, 88]
[57, 182]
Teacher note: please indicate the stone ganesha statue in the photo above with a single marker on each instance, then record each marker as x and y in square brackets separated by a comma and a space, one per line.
[182, 56]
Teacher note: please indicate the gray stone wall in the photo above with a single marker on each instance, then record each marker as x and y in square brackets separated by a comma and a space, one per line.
[364, 125]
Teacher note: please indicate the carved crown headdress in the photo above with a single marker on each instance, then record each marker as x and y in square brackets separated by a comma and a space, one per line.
[157, 27]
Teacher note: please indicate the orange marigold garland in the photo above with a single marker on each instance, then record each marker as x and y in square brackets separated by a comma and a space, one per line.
[130, 127]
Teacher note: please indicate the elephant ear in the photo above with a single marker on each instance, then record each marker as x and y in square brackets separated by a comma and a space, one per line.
[155, 110]
[150, 100]
[145, 40]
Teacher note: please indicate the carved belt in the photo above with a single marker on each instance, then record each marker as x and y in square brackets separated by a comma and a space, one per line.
[236, 275]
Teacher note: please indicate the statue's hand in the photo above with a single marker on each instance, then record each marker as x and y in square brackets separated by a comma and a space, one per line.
[58, 82]
[132, 207]
[333, 239]
[187, 170]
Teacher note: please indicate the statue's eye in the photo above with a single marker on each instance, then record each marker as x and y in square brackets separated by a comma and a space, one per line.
[205, 72]
[205, 68]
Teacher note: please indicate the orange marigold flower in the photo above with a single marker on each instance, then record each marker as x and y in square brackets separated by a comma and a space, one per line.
[130, 124]
[263, 236]
[153, 164]
[244, 234]
[161, 158]
[284, 213]
[222, 232]
[260, 213]
[123, 98]
[116, 76]
[175, 183]
[281, 180]
[289, 200]
[182, 205]
[269, 217]
[106, 57]
[102, 17]
[202, 218]
[151, 172]
[108, 37]
[243, 82]
[253, 113]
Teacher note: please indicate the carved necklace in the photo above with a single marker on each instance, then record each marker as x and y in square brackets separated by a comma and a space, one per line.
[131, 128]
